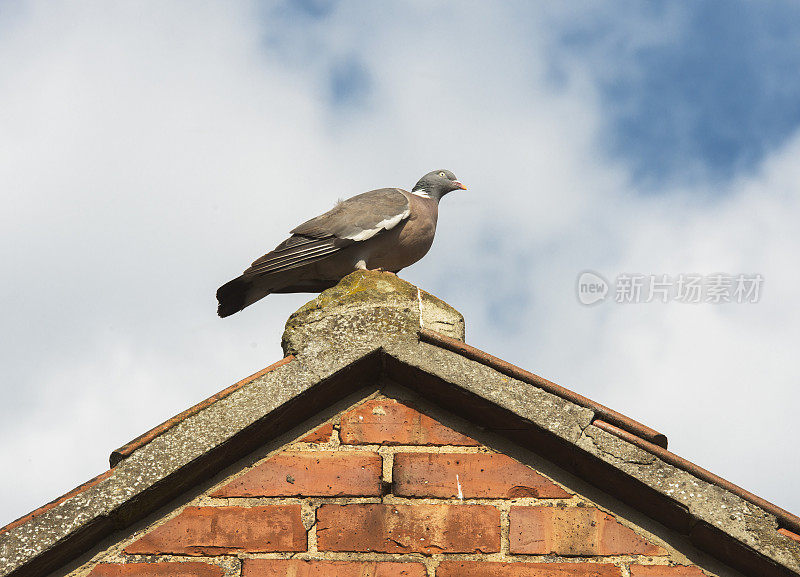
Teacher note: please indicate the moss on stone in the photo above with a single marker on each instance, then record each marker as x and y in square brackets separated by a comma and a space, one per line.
[369, 302]
[361, 287]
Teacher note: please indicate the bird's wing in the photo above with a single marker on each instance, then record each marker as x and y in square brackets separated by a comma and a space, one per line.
[353, 220]
[361, 217]
[294, 252]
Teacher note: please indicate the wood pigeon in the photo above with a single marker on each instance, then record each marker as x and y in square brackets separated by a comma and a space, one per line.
[385, 229]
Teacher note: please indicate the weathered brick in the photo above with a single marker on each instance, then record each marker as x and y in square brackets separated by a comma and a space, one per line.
[310, 474]
[408, 528]
[488, 569]
[191, 569]
[665, 571]
[320, 435]
[297, 568]
[220, 530]
[468, 475]
[574, 531]
[389, 422]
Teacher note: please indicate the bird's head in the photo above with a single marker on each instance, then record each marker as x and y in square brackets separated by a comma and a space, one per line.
[436, 184]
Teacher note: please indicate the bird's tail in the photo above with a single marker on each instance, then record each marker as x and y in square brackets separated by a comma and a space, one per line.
[237, 294]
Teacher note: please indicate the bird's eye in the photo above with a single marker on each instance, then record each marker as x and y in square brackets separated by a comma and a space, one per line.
[441, 174]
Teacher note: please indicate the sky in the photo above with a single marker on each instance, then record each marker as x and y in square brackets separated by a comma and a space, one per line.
[150, 151]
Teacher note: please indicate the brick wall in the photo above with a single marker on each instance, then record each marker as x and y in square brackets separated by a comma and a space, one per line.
[386, 491]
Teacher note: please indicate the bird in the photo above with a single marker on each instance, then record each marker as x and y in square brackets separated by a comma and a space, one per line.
[386, 229]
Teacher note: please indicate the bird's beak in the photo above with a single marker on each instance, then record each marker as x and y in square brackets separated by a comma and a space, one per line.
[459, 185]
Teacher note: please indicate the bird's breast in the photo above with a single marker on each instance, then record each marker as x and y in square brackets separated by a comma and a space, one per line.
[406, 244]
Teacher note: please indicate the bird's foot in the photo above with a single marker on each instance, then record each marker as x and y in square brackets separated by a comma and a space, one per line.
[384, 270]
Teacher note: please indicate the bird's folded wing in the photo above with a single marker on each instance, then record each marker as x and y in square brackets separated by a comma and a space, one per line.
[353, 220]
[294, 252]
[361, 217]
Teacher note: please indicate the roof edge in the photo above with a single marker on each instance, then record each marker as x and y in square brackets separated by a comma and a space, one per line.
[609, 415]
[785, 519]
[126, 450]
[613, 467]
[58, 500]
[618, 425]
[134, 489]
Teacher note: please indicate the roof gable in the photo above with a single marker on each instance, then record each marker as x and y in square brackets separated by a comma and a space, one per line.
[373, 327]
[423, 490]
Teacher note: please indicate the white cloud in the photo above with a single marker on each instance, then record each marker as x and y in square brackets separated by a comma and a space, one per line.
[150, 151]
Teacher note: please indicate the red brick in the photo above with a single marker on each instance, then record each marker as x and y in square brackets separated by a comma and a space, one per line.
[297, 568]
[388, 422]
[481, 569]
[220, 530]
[409, 528]
[157, 570]
[574, 531]
[665, 571]
[310, 474]
[468, 475]
[321, 435]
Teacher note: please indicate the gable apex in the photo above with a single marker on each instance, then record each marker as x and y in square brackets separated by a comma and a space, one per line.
[374, 328]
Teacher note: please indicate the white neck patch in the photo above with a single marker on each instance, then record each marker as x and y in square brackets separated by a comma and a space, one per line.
[421, 192]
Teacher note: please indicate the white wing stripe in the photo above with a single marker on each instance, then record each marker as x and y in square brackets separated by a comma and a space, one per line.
[386, 224]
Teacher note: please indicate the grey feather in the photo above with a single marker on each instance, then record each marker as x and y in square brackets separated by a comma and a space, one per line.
[295, 251]
[359, 217]
[353, 220]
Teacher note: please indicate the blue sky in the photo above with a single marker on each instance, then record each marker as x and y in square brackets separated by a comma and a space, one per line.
[707, 99]
[722, 88]
[149, 152]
